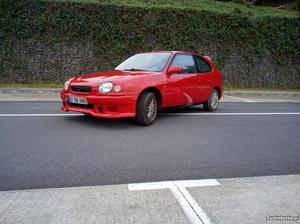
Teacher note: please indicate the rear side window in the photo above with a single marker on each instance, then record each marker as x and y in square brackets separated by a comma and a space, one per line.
[202, 65]
[186, 62]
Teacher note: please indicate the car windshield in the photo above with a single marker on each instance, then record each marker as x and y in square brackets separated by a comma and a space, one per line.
[154, 62]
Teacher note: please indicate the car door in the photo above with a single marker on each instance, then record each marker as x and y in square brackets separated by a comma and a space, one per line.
[204, 79]
[181, 88]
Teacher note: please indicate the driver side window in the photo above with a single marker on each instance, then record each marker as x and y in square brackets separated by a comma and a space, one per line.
[185, 61]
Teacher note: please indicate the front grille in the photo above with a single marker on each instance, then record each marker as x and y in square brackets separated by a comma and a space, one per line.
[89, 106]
[84, 89]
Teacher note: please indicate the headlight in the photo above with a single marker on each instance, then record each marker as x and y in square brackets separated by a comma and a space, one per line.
[66, 85]
[105, 87]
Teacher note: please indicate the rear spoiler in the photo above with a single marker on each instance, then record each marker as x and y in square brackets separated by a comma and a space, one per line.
[207, 57]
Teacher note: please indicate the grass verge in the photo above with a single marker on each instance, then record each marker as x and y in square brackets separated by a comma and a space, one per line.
[60, 85]
[202, 5]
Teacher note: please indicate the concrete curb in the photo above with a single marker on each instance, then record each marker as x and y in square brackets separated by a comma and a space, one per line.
[248, 93]
[30, 90]
[262, 93]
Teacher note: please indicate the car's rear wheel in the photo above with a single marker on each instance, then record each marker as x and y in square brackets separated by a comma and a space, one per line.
[146, 109]
[213, 101]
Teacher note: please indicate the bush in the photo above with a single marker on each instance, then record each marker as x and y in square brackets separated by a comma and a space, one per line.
[116, 32]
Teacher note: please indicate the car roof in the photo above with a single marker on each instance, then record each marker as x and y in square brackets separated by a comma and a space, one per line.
[173, 51]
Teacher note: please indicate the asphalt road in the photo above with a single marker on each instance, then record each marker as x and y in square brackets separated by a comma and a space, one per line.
[43, 152]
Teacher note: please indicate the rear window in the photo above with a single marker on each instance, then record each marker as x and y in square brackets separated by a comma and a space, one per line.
[202, 65]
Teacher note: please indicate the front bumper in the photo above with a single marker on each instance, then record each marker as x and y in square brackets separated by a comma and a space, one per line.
[102, 106]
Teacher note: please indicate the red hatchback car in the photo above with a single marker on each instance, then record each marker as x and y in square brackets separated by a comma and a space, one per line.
[145, 83]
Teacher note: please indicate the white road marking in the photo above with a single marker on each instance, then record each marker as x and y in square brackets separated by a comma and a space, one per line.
[243, 99]
[197, 183]
[229, 114]
[162, 114]
[192, 202]
[186, 206]
[39, 115]
[193, 211]
[150, 186]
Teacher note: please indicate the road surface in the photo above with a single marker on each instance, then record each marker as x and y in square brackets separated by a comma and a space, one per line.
[68, 151]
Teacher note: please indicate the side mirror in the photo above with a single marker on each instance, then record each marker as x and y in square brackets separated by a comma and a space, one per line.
[174, 70]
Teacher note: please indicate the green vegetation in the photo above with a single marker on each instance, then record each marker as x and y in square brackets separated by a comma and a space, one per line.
[119, 28]
[201, 5]
[60, 85]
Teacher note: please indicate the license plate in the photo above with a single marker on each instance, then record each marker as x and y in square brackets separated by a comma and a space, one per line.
[78, 100]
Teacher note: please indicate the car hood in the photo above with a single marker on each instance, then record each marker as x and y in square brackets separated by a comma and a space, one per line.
[113, 76]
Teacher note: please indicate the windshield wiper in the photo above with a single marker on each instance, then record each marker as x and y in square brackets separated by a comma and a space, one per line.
[133, 69]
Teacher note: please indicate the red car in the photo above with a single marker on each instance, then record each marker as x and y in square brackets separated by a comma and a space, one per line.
[145, 83]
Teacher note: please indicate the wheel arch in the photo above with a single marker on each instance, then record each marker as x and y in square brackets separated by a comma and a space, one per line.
[219, 91]
[156, 92]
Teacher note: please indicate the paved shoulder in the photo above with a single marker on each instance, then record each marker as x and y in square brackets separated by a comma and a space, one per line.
[237, 200]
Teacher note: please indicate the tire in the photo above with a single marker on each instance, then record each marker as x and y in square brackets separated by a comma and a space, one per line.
[146, 109]
[213, 101]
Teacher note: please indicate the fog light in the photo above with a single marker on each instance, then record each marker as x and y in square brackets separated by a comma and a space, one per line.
[117, 88]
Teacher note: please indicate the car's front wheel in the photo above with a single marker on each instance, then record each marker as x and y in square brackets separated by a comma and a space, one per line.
[146, 109]
[213, 101]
